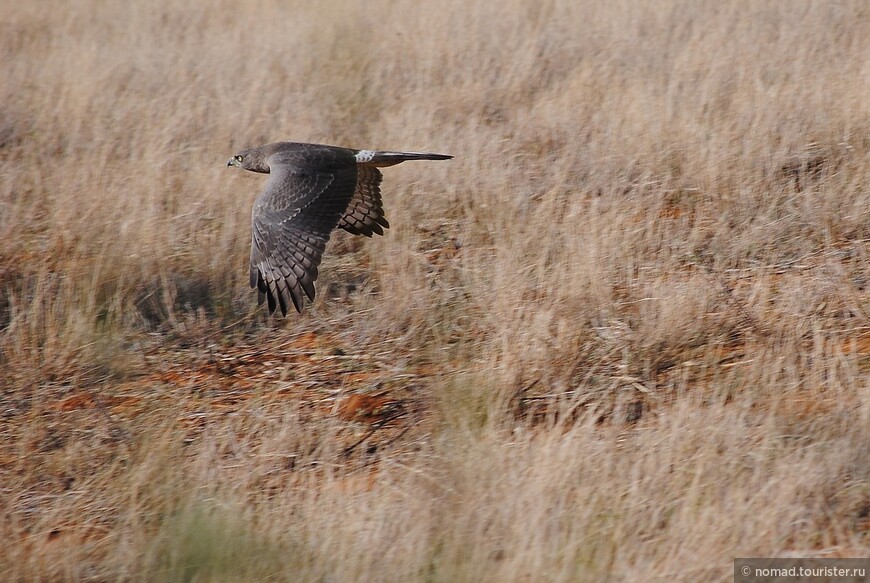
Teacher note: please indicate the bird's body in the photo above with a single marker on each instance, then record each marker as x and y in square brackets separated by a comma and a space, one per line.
[312, 189]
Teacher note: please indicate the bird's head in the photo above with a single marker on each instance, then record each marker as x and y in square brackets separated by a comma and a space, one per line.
[252, 159]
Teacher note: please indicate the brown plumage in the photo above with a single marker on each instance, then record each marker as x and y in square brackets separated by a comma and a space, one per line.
[312, 189]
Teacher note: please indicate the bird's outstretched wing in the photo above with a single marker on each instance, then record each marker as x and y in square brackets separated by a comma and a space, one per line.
[304, 199]
[365, 213]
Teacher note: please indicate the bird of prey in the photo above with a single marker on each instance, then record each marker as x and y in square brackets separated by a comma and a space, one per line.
[311, 190]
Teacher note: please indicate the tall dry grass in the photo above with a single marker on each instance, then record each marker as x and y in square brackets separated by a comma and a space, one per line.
[625, 330]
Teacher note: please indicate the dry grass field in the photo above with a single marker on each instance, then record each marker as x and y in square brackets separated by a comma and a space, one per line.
[623, 336]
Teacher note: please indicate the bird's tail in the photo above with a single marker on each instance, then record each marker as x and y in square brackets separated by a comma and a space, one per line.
[381, 159]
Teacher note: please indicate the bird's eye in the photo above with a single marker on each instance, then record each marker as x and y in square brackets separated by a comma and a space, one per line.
[239, 158]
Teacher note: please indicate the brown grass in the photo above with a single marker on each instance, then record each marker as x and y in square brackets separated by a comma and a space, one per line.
[623, 336]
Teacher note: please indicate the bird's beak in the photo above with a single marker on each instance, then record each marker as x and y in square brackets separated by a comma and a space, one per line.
[232, 162]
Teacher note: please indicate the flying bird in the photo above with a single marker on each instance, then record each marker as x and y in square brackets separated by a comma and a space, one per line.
[311, 190]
